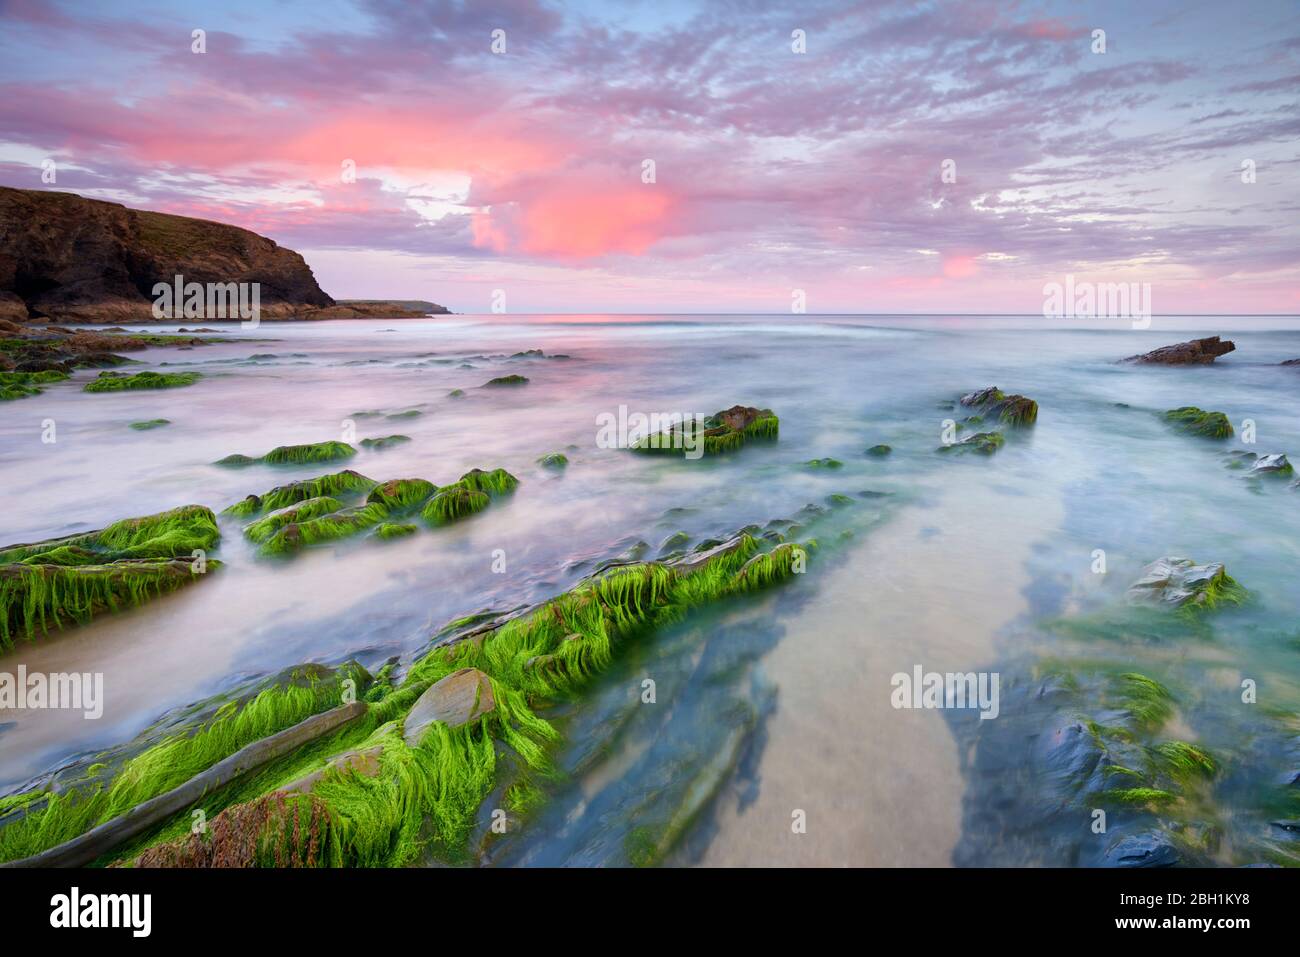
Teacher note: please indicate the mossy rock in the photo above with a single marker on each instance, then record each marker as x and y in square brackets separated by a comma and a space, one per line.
[981, 443]
[326, 528]
[554, 460]
[148, 424]
[307, 454]
[1194, 421]
[506, 380]
[22, 385]
[494, 482]
[129, 382]
[389, 530]
[826, 463]
[879, 451]
[304, 511]
[399, 495]
[385, 442]
[724, 431]
[454, 503]
[337, 485]
[1014, 410]
[1183, 584]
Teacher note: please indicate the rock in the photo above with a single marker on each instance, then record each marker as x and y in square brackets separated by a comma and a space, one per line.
[1010, 409]
[982, 443]
[364, 762]
[1194, 421]
[1291, 362]
[879, 450]
[1273, 464]
[1176, 582]
[738, 417]
[1148, 849]
[72, 259]
[1192, 352]
[461, 697]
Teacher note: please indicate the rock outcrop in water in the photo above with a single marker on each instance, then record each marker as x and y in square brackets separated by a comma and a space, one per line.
[1192, 352]
[70, 259]
[1009, 409]
[1181, 583]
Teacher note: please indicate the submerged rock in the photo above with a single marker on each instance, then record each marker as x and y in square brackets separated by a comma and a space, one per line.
[879, 450]
[1148, 849]
[1180, 582]
[506, 380]
[1010, 409]
[461, 697]
[1210, 425]
[982, 443]
[1275, 464]
[723, 431]
[1192, 352]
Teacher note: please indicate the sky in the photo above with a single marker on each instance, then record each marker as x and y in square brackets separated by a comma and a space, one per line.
[723, 156]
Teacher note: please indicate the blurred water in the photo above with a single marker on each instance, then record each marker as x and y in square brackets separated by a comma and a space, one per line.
[946, 573]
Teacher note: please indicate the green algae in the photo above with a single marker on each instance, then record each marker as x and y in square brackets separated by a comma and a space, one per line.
[495, 482]
[309, 454]
[56, 583]
[342, 484]
[168, 764]
[553, 460]
[981, 443]
[384, 442]
[724, 431]
[22, 385]
[303, 511]
[326, 528]
[826, 463]
[454, 503]
[426, 799]
[389, 530]
[127, 382]
[1012, 410]
[879, 451]
[1194, 421]
[506, 380]
[401, 495]
[148, 424]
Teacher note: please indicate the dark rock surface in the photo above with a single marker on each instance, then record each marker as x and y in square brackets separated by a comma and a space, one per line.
[1192, 352]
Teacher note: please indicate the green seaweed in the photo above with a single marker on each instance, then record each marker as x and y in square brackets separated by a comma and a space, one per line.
[22, 385]
[506, 380]
[495, 482]
[303, 511]
[150, 424]
[553, 460]
[336, 485]
[326, 528]
[1194, 421]
[126, 382]
[388, 530]
[384, 442]
[401, 495]
[454, 503]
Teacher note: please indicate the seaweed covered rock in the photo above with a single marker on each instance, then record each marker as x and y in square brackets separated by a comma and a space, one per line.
[454, 503]
[337, 485]
[1009, 409]
[506, 380]
[330, 527]
[1192, 352]
[554, 460]
[303, 511]
[879, 451]
[1274, 464]
[293, 455]
[384, 442]
[58, 582]
[130, 382]
[1194, 421]
[399, 495]
[723, 431]
[22, 385]
[1181, 583]
[981, 443]
[494, 482]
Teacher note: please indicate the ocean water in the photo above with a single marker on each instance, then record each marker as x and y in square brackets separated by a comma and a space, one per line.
[771, 711]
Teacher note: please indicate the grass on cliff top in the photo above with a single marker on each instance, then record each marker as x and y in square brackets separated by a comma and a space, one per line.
[129, 382]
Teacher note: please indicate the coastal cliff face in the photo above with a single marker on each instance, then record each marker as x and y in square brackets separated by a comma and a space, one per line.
[65, 258]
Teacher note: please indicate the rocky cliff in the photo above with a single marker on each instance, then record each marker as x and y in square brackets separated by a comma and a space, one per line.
[66, 258]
